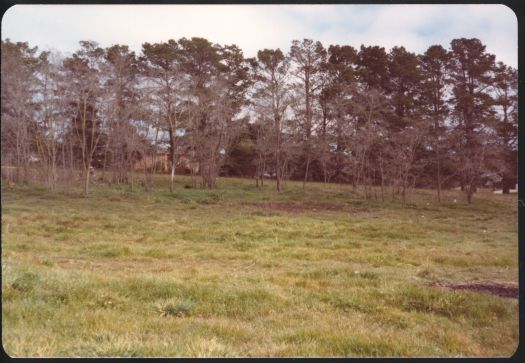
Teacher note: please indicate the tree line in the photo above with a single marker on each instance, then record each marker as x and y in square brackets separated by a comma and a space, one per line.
[383, 121]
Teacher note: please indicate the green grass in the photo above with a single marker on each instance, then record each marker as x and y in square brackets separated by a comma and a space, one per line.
[238, 271]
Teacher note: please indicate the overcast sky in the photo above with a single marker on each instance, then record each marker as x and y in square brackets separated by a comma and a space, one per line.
[254, 27]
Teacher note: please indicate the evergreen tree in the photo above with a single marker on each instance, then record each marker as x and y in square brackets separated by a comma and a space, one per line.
[471, 74]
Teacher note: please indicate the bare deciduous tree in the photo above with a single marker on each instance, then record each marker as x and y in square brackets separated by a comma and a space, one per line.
[86, 93]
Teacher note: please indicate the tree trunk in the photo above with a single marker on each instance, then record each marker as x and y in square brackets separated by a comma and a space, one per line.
[172, 151]
[104, 163]
[439, 181]
[469, 196]
[382, 179]
[86, 183]
[278, 171]
[131, 174]
[53, 174]
[172, 177]
[263, 171]
[505, 185]
[306, 170]
[71, 163]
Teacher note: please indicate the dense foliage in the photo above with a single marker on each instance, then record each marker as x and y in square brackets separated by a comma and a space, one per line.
[365, 116]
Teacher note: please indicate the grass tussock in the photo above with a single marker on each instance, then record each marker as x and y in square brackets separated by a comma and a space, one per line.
[175, 308]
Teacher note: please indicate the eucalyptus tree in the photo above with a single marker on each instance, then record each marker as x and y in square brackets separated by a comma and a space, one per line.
[215, 86]
[122, 106]
[307, 58]
[264, 140]
[372, 106]
[272, 97]
[199, 61]
[19, 62]
[51, 117]
[85, 94]
[235, 74]
[161, 66]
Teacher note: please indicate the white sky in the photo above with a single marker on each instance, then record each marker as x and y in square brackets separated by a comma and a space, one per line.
[254, 27]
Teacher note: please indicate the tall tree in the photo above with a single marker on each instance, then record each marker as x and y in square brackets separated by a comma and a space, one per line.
[50, 116]
[272, 98]
[161, 66]
[85, 93]
[200, 63]
[122, 106]
[307, 57]
[506, 103]
[335, 101]
[405, 79]
[215, 85]
[372, 68]
[434, 65]
[372, 107]
[235, 72]
[471, 73]
[18, 89]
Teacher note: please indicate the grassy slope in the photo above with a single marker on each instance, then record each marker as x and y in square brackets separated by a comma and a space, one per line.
[200, 273]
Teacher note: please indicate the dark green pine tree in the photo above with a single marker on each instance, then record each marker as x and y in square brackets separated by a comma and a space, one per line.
[405, 79]
[471, 75]
[335, 103]
[433, 65]
[372, 67]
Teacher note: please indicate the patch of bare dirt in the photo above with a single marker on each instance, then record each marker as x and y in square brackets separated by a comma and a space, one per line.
[299, 207]
[495, 288]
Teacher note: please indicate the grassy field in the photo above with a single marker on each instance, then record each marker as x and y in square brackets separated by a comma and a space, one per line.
[238, 271]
